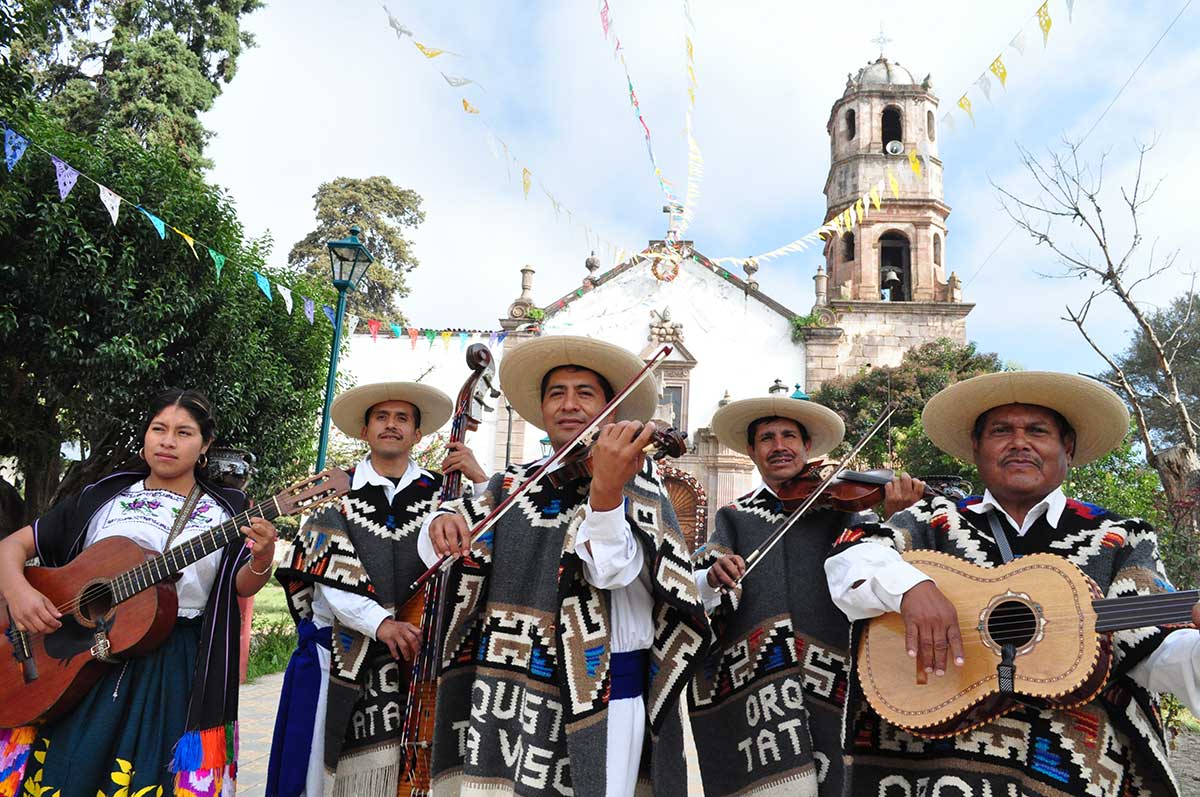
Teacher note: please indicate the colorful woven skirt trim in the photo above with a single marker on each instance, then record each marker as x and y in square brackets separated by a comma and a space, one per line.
[15, 744]
[205, 761]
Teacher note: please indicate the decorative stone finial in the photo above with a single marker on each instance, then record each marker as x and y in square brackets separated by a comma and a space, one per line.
[520, 308]
[750, 266]
[662, 329]
[954, 287]
[724, 399]
[821, 286]
[778, 389]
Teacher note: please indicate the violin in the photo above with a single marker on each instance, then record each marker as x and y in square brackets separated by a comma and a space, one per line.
[856, 491]
[577, 466]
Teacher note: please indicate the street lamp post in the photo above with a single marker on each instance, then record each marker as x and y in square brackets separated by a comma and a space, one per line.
[348, 261]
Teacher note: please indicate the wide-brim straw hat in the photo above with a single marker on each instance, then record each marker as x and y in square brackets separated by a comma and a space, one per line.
[824, 426]
[350, 407]
[522, 371]
[1097, 414]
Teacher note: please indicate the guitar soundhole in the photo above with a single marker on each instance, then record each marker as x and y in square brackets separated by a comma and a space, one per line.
[1012, 621]
[95, 601]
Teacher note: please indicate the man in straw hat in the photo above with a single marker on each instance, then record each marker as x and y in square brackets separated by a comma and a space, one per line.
[345, 688]
[576, 623]
[1022, 430]
[767, 705]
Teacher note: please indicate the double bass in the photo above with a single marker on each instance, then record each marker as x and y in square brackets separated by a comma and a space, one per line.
[425, 609]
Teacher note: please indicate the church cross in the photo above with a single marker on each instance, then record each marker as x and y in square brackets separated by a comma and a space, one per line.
[881, 40]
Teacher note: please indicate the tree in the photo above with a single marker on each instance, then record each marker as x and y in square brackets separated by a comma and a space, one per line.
[1070, 193]
[381, 210]
[146, 66]
[96, 318]
[1178, 328]
[922, 372]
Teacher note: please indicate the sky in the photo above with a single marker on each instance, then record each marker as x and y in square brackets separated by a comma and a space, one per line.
[331, 90]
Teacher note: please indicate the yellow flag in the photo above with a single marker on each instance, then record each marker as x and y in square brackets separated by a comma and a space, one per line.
[848, 219]
[446, 339]
[526, 180]
[428, 52]
[1044, 21]
[692, 76]
[191, 242]
[999, 71]
[965, 103]
[468, 107]
[895, 186]
[914, 162]
[837, 222]
[875, 200]
[861, 209]
[688, 39]
[692, 96]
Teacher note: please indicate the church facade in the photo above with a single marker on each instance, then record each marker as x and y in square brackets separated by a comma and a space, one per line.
[881, 290]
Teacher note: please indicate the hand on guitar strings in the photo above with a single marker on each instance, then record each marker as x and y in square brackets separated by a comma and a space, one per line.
[33, 612]
[726, 571]
[931, 628]
[402, 639]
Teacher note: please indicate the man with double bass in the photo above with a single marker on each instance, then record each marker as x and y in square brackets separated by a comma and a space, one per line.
[1023, 430]
[574, 623]
[341, 709]
[766, 707]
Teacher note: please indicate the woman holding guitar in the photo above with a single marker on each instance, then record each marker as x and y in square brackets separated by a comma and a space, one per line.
[162, 722]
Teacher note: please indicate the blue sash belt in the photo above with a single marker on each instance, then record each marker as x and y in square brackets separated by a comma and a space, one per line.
[291, 744]
[629, 672]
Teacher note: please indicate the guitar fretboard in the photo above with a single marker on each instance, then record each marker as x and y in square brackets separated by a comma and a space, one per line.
[1136, 611]
[164, 566]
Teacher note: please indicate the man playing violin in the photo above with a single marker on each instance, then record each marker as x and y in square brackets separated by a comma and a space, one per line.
[574, 623]
[766, 708]
[1023, 430]
[345, 689]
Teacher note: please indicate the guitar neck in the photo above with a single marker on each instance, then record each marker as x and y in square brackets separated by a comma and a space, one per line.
[1137, 611]
[164, 566]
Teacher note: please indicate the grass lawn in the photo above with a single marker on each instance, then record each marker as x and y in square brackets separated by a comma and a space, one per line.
[273, 634]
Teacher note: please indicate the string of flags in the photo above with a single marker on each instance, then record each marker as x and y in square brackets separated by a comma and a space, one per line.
[873, 199]
[695, 159]
[17, 144]
[500, 149]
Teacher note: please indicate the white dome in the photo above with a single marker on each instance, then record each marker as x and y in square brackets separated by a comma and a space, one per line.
[884, 72]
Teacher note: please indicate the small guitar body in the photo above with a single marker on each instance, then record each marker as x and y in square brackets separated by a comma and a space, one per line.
[1041, 604]
[96, 632]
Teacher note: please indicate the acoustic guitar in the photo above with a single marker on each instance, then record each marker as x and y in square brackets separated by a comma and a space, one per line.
[117, 601]
[1035, 632]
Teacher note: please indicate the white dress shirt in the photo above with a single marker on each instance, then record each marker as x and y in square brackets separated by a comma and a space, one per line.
[883, 578]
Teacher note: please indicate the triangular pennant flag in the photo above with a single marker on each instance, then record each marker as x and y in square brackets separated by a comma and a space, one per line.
[15, 145]
[964, 102]
[329, 314]
[948, 121]
[1000, 72]
[468, 107]
[352, 324]
[893, 184]
[401, 31]
[373, 325]
[1018, 42]
[158, 223]
[310, 310]
[1044, 21]
[492, 340]
[66, 176]
[413, 334]
[875, 199]
[458, 82]
[851, 217]
[430, 335]
[446, 339]
[396, 331]
[218, 261]
[526, 176]
[985, 86]
[860, 209]
[286, 293]
[914, 162]
[500, 338]
[264, 285]
[837, 222]
[604, 23]
[462, 340]
[189, 240]
[428, 52]
[1070, 10]
[111, 201]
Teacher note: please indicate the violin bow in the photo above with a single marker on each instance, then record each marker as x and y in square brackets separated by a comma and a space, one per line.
[758, 553]
[498, 511]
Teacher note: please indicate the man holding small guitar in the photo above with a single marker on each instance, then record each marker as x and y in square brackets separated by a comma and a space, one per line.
[345, 689]
[1025, 726]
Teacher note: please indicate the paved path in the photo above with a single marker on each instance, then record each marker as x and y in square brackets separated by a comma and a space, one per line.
[257, 705]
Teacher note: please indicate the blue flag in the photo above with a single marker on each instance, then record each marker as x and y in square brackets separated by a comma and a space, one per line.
[15, 145]
[156, 221]
[263, 284]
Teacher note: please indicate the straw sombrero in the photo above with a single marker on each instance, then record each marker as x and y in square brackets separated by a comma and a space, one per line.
[1097, 414]
[522, 370]
[824, 426]
[350, 407]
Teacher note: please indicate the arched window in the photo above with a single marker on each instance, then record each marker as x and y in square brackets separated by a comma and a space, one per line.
[851, 127]
[937, 249]
[848, 247]
[893, 126]
[929, 128]
[895, 276]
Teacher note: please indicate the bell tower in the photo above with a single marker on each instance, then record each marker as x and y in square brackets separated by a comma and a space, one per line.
[885, 285]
